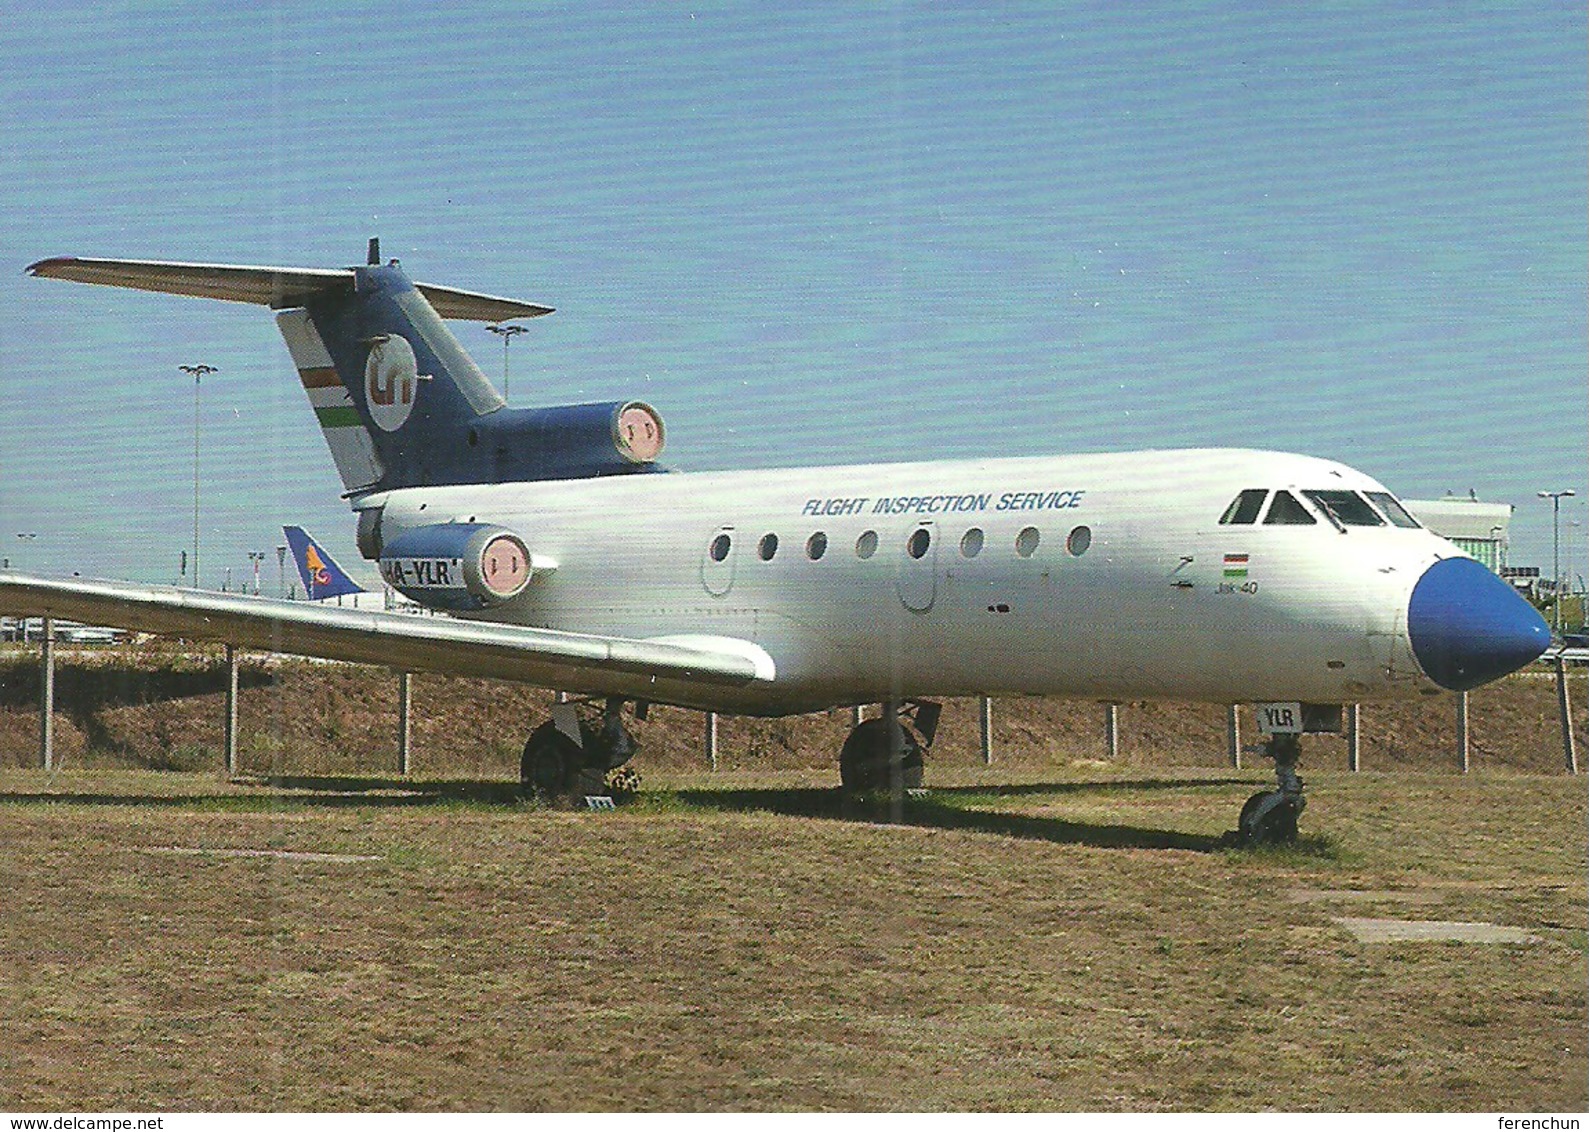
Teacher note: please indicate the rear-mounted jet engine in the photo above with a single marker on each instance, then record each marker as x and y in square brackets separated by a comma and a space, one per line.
[458, 566]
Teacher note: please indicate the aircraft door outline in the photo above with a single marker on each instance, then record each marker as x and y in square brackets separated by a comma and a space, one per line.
[717, 563]
[916, 574]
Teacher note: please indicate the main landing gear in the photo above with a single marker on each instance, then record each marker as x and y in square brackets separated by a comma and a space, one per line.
[886, 753]
[573, 753]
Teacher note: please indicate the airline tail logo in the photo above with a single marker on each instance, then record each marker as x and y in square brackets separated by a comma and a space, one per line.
[319, 576]
[391, 379]
[322, 577]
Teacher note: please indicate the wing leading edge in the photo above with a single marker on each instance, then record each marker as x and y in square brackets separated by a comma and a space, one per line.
[544, 657]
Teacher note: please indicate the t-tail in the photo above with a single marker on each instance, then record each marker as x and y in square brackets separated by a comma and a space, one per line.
[322, 577]
[400, 401]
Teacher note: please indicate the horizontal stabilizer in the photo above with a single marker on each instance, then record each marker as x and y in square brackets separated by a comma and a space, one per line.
[275, 287]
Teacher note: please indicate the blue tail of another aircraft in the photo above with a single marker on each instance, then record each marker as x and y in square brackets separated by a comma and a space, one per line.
[322, 577]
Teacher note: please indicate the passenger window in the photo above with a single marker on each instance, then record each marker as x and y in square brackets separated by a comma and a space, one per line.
[1393, 509]
[866, 545]
[1245, 507]
[1078, 542]
[816, 546]
[767, 547]
[1026, 542]
[1285, 511]
[720, 547]
[971, 543]
[920, 540]
[1346, 507]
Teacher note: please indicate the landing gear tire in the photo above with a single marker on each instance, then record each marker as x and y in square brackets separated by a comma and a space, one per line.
[1270, 816]
[868, 761]
[1274, 826]
[550, 762]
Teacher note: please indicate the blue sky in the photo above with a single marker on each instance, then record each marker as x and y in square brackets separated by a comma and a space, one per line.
[840, 233]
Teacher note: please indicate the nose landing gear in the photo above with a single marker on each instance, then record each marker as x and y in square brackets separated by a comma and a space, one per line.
[1270, 816]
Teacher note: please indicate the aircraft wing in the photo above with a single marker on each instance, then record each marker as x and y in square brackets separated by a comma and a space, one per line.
[274, 287]
[545, 657]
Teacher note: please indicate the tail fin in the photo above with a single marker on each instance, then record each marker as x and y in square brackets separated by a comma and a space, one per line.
[400, 402]
[322, 577]
[404, 377]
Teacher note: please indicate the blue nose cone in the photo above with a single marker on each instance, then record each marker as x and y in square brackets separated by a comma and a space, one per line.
[1468, 627]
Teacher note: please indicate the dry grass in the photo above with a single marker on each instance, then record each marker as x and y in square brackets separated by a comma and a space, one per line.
[748, 941]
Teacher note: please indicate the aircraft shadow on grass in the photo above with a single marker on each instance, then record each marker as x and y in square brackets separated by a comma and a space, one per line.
[937, 810]
[934, 810]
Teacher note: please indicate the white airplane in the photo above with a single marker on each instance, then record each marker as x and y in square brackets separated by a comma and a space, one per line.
[571, 561]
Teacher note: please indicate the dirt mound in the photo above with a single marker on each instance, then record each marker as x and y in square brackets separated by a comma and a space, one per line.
[163, 710]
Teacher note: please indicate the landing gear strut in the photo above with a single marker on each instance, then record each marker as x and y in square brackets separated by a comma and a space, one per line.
[1270, 816]
[886, 753]
[573, 753]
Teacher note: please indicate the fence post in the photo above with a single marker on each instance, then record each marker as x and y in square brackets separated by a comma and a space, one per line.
[229, 730]
[1569, 744]
[46, 693]
[405, 727]
[1462, 729]
[986, 720]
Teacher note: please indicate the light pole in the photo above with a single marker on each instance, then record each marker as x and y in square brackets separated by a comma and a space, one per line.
[256, 557]
[198, 373]
[1574, 530]
[1555, 498]
[507, 330]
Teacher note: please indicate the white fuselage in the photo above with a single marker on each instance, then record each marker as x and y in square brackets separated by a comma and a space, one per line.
[1105, 576]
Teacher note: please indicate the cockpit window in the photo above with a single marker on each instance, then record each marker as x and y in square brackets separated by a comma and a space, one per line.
[1393, 509]
[1346, 507]
[1286, 511]
[1244, 509]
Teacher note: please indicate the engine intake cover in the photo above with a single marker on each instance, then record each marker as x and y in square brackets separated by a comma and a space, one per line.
[561, 442]
[459, 566]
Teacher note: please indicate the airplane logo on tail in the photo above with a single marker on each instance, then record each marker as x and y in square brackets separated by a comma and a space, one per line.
[314, 568]
[322, 577]
[390, 374]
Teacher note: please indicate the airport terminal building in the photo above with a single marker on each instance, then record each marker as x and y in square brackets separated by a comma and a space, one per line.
[1480, 529]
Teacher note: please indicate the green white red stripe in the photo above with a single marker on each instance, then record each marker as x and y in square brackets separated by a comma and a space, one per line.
[346, 436]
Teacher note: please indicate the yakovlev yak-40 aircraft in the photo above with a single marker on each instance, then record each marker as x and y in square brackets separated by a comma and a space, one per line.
[568, 558]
